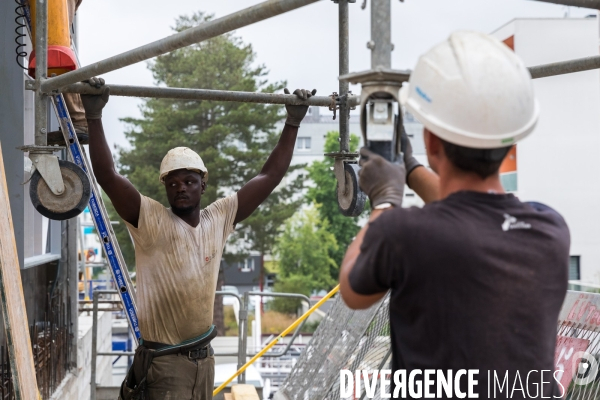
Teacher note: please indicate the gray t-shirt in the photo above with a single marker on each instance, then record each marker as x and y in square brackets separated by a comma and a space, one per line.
[177, 268]
[477, 281]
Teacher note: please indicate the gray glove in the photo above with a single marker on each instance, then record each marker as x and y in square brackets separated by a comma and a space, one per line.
[410, 162]
[295, 114]
[94, 103]
[380, 179]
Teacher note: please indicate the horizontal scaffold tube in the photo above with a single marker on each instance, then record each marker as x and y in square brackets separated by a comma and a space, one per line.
[539, 71]
[205, 94]
[204, 31]
[565, 67]
[576, 3]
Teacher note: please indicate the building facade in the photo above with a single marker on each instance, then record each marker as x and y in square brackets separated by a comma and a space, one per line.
[556, 165]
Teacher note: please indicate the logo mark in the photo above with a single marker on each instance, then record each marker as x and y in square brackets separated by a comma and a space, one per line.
[422, 94]
[511, 222]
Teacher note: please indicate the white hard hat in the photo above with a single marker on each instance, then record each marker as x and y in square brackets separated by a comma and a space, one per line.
[472, 91]
[182, 158]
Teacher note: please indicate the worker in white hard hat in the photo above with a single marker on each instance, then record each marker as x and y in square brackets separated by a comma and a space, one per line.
[477, 277]
[178, 253]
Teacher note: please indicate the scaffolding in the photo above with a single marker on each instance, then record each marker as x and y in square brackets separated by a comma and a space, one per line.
[340, 102]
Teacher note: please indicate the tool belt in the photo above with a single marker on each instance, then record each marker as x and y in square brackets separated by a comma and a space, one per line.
[198, 347]
[134, 385]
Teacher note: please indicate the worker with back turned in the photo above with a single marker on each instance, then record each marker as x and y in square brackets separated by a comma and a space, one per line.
[477, 277]
[178, 252]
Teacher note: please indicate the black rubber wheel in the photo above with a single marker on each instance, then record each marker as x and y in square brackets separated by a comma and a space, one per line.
[69, 204]
[352, 202]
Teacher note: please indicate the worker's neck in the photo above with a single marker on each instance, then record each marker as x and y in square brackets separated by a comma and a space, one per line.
[189, 216]
[453, 180]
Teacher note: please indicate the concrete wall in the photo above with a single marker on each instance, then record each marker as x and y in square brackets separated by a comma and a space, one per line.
[76, 386]
[557, 165]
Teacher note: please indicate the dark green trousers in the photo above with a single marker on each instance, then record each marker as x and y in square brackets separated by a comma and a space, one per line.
[177, 377]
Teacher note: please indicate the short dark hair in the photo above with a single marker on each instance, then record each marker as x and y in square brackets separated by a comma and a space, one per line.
[483, 162]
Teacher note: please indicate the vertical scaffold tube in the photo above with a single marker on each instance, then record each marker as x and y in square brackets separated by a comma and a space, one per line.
[344, 85]
[41, 63]
[381, 34]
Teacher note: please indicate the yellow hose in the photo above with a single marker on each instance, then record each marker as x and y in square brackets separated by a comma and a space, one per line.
[274, 341]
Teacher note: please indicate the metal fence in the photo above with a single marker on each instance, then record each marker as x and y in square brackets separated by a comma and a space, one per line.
[50, 339]
[241, 354]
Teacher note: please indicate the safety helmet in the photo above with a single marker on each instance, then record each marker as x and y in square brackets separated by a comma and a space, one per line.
[182, 158]
[472, 91]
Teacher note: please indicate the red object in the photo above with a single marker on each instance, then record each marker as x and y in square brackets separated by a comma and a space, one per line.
[58, 57]
[566, 358]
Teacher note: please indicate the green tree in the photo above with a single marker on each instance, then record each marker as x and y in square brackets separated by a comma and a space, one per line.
[323, 192]
[234, 139]
[304, 251]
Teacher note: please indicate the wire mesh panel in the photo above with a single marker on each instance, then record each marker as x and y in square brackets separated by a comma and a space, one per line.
[359, 340]
[578, 346]
[344, 339]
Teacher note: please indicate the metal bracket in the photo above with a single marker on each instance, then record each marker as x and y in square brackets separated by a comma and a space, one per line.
[43, 160]
[338, 168]
[30, 84]
[335, 103]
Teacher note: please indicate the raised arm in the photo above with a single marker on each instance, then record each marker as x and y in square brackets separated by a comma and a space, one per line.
[253, 193]
[124, 196]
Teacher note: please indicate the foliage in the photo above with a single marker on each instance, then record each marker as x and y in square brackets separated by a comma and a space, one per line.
[234, 139]
[231, 323]
[323, 193]
[304, 250]
[289, 284]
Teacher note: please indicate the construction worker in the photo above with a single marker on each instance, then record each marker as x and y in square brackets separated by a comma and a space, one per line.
[72, 100]
[477, 277]
[178, 253]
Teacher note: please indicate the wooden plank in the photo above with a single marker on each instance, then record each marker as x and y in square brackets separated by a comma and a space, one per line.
[228, 396]
[244, 392]
[13, 303]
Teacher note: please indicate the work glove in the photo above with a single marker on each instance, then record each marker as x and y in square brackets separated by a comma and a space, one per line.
[380, 179]
[295, 114]
[94, 103]
[410, 162]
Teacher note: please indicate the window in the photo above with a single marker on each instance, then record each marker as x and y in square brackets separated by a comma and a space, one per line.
[303, 143]
[247, 265]
[574, 268]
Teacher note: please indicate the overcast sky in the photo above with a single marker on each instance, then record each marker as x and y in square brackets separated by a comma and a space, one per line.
[300, 46]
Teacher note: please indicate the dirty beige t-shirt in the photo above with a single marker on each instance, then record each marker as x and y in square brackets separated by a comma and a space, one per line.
[177, 268]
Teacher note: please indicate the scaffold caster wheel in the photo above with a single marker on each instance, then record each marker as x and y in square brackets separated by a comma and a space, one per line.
[352, 201]
[69, 204]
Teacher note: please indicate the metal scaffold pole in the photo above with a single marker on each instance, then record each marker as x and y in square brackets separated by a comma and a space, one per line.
[188, 37]
[204, 94]
[41, 67]
[344, 69]
[576, 3]
[381, 34]
[565, 67]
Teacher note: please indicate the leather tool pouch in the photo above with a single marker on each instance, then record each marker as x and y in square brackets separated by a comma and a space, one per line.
[134, 385]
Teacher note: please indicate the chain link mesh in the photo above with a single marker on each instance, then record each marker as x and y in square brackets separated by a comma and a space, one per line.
[345, 339]
[360, 340]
